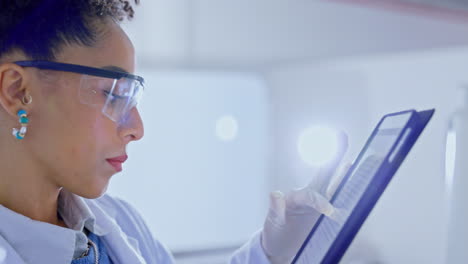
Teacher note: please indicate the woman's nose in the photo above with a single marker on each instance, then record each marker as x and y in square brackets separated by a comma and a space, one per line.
[131, 129]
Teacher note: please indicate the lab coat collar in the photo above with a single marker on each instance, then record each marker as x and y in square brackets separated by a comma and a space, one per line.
[40, 242]
[122, 248]
[77, 214]
[34, 241]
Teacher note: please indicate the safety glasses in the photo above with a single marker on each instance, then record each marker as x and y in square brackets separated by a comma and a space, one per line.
[116, 92]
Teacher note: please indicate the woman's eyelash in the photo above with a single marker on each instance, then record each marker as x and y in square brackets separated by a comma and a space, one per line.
[114, 95]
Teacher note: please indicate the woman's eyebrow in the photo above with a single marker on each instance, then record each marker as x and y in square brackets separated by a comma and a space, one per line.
[114, 68]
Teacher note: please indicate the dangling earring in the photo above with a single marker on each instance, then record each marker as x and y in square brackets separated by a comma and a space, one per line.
[23, 119]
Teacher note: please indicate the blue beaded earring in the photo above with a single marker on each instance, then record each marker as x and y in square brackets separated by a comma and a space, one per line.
[23, 119]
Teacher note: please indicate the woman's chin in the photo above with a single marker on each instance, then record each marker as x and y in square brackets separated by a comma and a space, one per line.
[92, 192]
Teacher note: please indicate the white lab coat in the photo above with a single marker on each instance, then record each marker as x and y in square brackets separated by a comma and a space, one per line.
[126, 236]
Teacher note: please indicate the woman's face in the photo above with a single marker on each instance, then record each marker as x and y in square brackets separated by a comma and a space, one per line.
[72, 141]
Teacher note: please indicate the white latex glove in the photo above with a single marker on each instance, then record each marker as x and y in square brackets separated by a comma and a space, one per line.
[292, 216]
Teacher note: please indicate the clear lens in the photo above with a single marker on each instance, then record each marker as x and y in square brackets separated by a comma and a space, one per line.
[115, 97]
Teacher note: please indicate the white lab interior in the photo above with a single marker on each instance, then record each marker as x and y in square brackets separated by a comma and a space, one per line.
[232, 85]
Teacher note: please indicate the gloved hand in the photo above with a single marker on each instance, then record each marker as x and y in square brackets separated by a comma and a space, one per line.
[292, 216]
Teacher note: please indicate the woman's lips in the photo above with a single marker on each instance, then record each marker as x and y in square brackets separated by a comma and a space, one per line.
[116, 162]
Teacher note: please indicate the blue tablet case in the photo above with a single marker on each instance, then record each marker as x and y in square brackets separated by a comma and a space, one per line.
[363, 184]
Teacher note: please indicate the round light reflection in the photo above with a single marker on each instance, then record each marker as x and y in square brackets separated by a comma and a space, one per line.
[318, 145]
[226, 128]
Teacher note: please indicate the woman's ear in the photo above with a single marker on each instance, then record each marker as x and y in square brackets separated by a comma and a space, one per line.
[13, 88]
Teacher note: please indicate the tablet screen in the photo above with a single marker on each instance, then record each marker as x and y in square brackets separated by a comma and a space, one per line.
[354, 186]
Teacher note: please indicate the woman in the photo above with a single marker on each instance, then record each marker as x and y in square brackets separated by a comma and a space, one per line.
[68, 100]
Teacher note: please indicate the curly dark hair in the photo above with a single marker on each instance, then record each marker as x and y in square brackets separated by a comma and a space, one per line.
[39, 28]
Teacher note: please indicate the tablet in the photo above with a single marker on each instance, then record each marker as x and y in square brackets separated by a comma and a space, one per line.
[362, 186]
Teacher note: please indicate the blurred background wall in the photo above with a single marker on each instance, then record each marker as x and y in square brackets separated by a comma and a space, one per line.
[232, 84]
